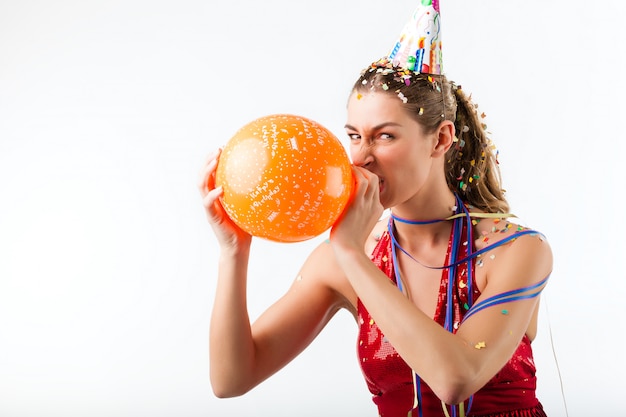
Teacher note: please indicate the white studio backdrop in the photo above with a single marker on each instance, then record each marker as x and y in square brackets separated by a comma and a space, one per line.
[107, 265]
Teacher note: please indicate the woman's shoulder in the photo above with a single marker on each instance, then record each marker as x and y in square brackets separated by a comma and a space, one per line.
[514, 244]
[321, 271]
[492, 228]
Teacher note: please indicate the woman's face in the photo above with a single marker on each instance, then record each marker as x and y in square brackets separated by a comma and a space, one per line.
[387, 141]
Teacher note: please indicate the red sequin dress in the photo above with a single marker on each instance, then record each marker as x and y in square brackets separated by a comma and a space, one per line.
[510, 393]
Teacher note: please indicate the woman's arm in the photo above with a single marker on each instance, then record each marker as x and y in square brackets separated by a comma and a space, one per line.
[454, 365]
[242, 355]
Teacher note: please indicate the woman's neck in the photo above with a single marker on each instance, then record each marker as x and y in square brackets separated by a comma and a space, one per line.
[433, 208]
[423, 220]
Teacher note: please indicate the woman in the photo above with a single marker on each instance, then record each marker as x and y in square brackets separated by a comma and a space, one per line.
[445, 292]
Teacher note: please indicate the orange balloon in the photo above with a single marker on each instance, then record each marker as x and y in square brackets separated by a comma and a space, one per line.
[285, 178]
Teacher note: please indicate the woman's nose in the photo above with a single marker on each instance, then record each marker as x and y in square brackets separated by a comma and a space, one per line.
[362, 155]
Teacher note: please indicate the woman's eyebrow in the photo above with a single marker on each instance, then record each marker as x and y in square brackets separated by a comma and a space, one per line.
[377, 127]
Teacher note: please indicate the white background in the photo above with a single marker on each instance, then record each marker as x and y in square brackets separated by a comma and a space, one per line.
[108, 109]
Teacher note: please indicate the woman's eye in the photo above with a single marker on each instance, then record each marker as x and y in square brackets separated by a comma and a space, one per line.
[354, 136]
[385, 136]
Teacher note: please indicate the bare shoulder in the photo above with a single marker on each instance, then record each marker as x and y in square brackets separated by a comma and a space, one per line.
[321, 272]
[512, 249]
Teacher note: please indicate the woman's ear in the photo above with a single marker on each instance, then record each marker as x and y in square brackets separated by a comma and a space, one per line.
[445, 137]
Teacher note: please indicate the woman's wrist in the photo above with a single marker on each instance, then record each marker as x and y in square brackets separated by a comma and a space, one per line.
[237, 253]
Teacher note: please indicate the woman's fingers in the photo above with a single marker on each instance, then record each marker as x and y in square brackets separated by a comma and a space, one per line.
[363, 211]
[367, 182]
[206, 181]
[228, 234]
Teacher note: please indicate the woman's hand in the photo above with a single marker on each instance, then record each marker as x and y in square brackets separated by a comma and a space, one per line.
[361, 214]
[228, 234]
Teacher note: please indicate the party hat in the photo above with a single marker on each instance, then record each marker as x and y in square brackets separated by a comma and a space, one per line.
[419, 47]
